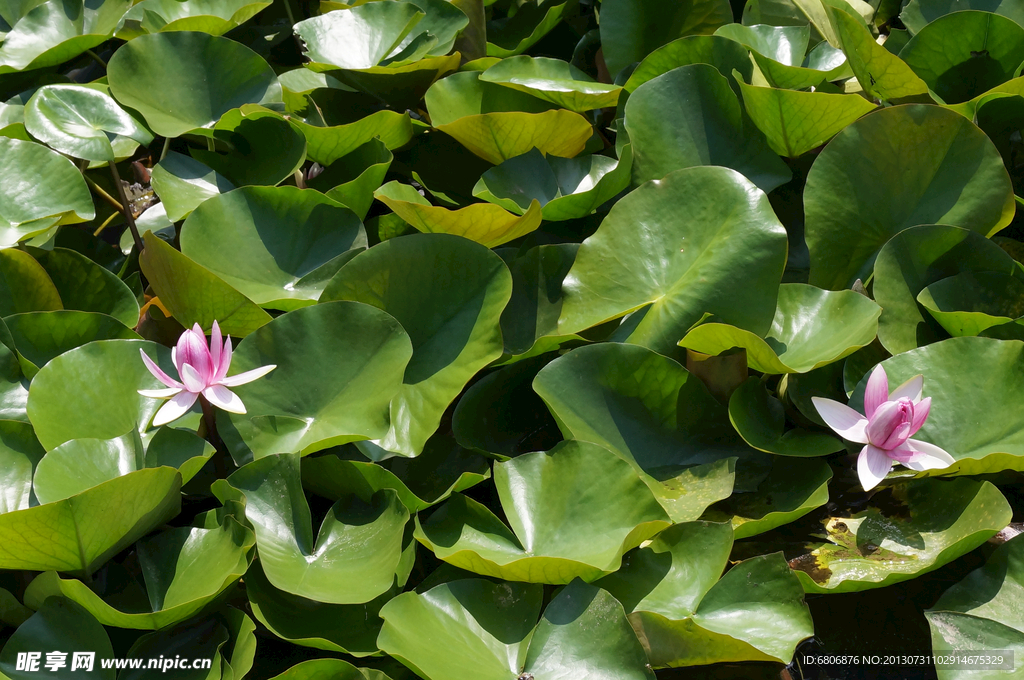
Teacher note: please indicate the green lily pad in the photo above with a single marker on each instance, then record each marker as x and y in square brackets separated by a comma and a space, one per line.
[916, 258]
[486, 223]
[553, 80]
[486, 630]
[448, 293]
[954, 371]
[442, 469]
[56, 31]
[338, 364]
[193, 294]
[532, 21]
[327, 142]
[224, 641]
[935, 522]
[80, 533]
[24, 285]
[183, 80]
[780, 53]
[812, 328]
[964, 54]
[632, 29]
[182, 183]
[214, 17]
[80, 121]
[58, 625]
[724, 54]
[574, 511]
[917, 14]
[64, 394]
[863, 189]
[248, 239]
[38, 188]
[707, 128]
[12, 612]
[352, 179]
[263, 148]
[797, 122]
[183, 570]
[792, 489]
[497, 123]
[687, 615]
[982, 612]
[358, 38]
[86, 286]
[19, 453]
[647, 409]
[347, 628]
[677, 247]
[353, 559]
[761, 420]
[41, 336]
[566, 188]
[13, 383]
[971, 302]
[881, 74]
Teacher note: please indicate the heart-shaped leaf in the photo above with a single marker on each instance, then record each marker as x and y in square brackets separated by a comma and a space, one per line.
[86, 286]
[25, 285]
[358, 38]
[676, 247]
[352, 179]
[19, 453]
[724, 54]
[248, 239]
[917, 14]
[204, 16]
[41, 336]
[182, 183]
[554, 81]
[863, 189]
[183, 80]
[761, 420]
[354, 557]
[56, 31]
[969, 303]
[263, 148]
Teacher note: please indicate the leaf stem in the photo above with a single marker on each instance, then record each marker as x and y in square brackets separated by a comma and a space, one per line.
[102, 194]
[97, 58]
[126, 208]
[105, 223]
[167, 144]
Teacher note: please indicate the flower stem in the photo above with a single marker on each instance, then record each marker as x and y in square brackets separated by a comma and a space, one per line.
[97, 58]
[126, 208]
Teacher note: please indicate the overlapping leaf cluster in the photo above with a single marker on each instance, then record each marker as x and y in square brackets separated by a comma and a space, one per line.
[549, 286]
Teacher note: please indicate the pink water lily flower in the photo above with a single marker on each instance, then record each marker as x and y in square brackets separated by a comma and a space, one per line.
[885, 429]
[203, 370]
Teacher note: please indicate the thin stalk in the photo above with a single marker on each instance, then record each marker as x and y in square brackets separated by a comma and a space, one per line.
[103, 194]
[97, 58]
[105, 223]
[167, 144]
[210, 425]
[126, 207]
[210, 144]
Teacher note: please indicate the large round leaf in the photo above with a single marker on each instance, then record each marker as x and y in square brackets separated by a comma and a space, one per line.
[687, 616]
[24, 285]
[553, 80]
[64, 394]
[969, 303]
[893, 169]
[56, 31]
[761, 420]
[80, 533]
[964, 54]
[215, 17]
[448, 294]
[248, 238]
[971, 381]
[183, 570]
[352, 179]
[516, 34]
[982, 612]
[41, 336]
[184, 80]
[360, 37]
[574, 511]
[182, 183]
[19, 453]
[86, 286]
[80, 121]
[487, 224]
[193, 294]
[632, 29]
[707, 127]
[780, 54]
[812, 328]
[917, 14]
[724, 54]
[650, 411]
[486, 631]
[263, 148]
[566, 188]
[58, 625]
[356, 553]
[933, 522]
[38, 187]
[338, 367]
[700, 240]
[796, 122]
[497, 123]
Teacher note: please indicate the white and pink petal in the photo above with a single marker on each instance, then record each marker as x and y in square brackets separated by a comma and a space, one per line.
[175, 408]
[844, 420]
[223, 398]
[872, 466]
